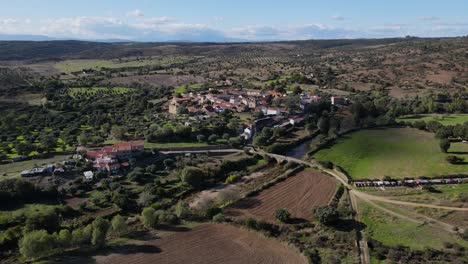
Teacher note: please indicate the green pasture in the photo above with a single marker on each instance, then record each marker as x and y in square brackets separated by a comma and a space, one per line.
[394, 152]
[393, 231]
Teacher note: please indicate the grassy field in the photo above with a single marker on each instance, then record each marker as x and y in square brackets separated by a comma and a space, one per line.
[13, 169]
[92, 91]
[183, 88]
[394, 152]
[443, 119]
[394, 231]
[70, 66]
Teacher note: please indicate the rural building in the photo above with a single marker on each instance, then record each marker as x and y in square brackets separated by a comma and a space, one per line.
[89, 175]
[337, 100]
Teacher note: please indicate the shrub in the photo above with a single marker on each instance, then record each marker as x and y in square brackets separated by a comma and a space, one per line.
[192, 176]
[282, 215]
[326, 215]
[326, 164]
[231, 179]
[229, 195]
[148, 217]
[182, 210]
[452, 159]
[444, 145]
[465, 234]
[218, 217]
[118, 225]
[100, 227]
[251, 223]
[36, 244]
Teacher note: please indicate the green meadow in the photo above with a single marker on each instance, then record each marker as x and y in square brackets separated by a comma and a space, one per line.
[394, 152]
[393, 231]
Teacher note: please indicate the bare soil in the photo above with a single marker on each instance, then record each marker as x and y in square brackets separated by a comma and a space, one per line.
[298, 194]
[207, 243]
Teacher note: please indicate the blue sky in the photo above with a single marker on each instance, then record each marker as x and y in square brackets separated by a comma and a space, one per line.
[221, 20]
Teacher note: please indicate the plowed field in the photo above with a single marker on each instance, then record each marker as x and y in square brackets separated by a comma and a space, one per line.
[298, 194]
[209, 243]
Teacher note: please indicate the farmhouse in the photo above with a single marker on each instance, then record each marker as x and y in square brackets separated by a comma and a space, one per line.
[113, 158]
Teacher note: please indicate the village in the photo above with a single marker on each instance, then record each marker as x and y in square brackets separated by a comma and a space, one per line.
[268, 108]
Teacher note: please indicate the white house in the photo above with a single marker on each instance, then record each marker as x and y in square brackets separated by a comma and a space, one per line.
[296, 120]
[271, 111]
[88, 175]
[247, 133]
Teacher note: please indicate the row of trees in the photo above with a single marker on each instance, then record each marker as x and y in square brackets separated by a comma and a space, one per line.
[40, 243]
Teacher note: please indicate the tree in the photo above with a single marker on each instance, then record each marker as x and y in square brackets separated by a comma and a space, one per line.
[24, 148]
[182, 210]
[444, 145]
[36, 244]
[65, 238]
[145, 198]
[282, 215]
[48, 142]
[44, 219]
[326, 215]
[201, 138]
[118, 225]
[118, 132]
[324, 125]
[213, 138]
[82, 236]
[100, 228]
[83, 139]
[121, 199]
[263, 138]
[148, 217]
[168, 163]
[192, 176]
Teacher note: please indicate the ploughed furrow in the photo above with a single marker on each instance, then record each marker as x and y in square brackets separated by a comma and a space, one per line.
[299, 194]
[210, 243]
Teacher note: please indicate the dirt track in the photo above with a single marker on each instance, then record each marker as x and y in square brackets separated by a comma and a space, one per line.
[299, 194]
[209, 243]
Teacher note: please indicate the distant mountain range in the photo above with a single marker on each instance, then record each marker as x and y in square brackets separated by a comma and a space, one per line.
[6, 37]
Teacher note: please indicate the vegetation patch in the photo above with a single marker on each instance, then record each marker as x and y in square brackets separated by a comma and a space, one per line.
[443, 119]
[393, 152]
[392, 231]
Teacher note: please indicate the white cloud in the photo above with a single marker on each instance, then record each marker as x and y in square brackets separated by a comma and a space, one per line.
[167, 28]
[136, 13]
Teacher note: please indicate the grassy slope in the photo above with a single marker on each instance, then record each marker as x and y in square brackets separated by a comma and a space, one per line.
[443, 119]
[395, 152]
[394, 231]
